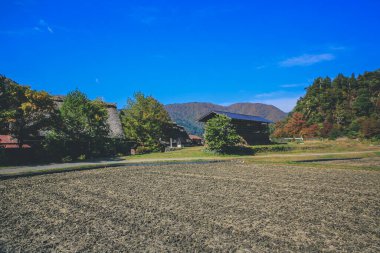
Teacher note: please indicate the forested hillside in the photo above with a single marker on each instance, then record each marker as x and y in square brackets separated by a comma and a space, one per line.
[187, 114]
[344, 106]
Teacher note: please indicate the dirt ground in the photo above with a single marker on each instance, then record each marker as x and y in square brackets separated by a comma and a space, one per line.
[227, 206]
[359, 162]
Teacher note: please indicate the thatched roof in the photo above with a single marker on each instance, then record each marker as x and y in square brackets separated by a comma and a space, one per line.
[116, 129]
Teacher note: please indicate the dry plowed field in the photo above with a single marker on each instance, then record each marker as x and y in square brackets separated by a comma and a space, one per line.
[226, 206]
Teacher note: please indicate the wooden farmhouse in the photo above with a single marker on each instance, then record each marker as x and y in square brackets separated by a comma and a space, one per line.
[253, 129]
[175, 136]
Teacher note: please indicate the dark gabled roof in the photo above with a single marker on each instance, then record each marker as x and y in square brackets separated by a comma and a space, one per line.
[236, 116]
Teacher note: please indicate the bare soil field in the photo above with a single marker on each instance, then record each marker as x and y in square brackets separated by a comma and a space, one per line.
[360, 162]
[227, 206]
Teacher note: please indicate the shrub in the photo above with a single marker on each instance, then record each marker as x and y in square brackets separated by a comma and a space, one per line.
[3, 156]
[220, 134]
[143, 150]
[370, 127]
[251, 150]
[271, 148]
[67, 159]
[82, 157]
[335, 133]
[240, 150]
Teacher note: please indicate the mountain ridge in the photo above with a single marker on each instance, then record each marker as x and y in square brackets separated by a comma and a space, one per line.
[187, 114]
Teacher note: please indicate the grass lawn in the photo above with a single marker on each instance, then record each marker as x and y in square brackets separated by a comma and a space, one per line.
[307, 147]
[188, 152]
[310, 153]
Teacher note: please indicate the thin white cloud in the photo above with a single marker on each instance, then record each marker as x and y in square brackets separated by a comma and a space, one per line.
[96, 80]
[43, 25]
[306, 60]
[50, 30]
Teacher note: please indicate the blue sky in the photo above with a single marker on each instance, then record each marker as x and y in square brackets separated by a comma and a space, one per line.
[184, 51]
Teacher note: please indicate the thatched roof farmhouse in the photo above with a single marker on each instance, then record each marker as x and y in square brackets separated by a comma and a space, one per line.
[116, 129]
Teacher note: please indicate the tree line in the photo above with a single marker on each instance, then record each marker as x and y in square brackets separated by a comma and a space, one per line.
[343, 106]
[78, 128]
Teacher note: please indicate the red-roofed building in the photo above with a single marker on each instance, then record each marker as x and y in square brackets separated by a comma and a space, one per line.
[196, 140]
[7, 141]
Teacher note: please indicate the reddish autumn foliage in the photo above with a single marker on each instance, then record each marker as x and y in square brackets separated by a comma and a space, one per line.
[279, 130]
[295, 124]
[370, 127]
[310, 131]
[326, 128]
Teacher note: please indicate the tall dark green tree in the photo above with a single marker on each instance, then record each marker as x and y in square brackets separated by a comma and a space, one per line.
[83, 118]
[362, 104]
[83, 130]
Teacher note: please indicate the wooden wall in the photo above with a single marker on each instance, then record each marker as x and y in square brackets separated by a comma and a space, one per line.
[254, 133]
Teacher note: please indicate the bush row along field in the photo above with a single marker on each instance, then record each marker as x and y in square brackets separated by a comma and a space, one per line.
[229, 206]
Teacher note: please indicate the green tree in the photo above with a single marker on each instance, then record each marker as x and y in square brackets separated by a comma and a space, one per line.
[7, 103]
[370, 127]
[83, 130]
[337, 105]
[24, 112]
[144, 120]
[83, 118]
[220, 134]
[362, 104]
